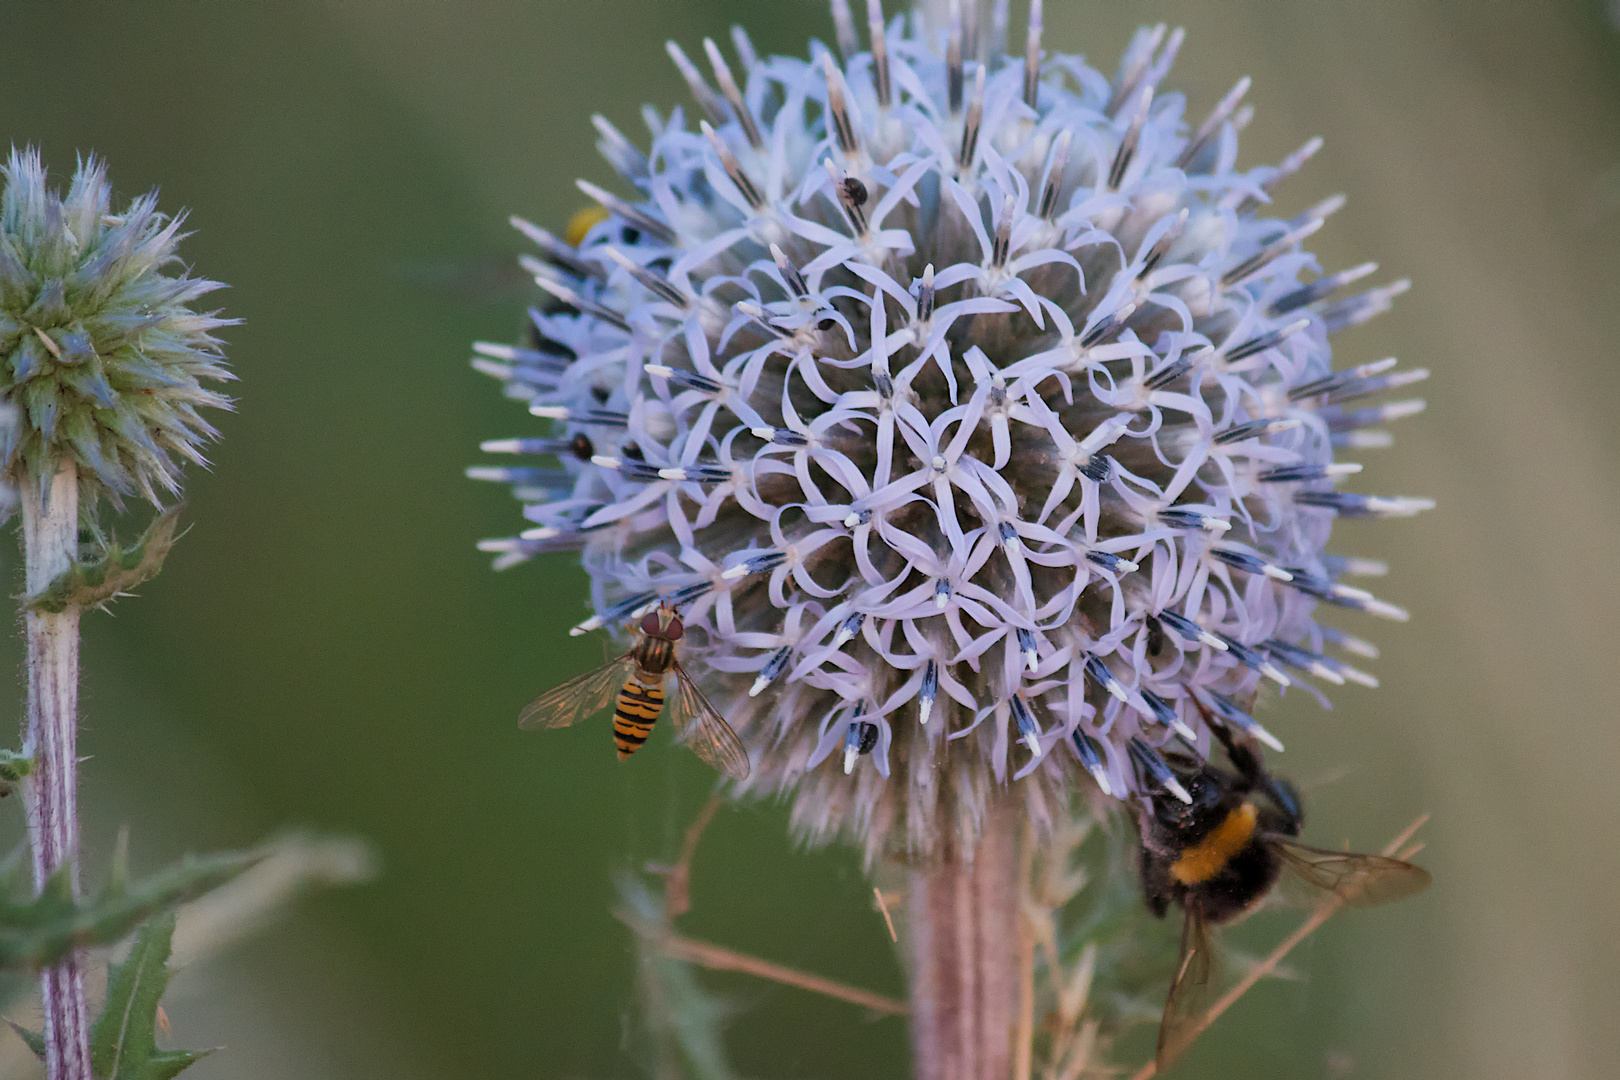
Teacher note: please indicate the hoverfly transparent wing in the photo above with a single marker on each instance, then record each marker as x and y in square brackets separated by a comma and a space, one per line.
[1357, 880]
[705, 730]
[1191, 993]
[579, 697]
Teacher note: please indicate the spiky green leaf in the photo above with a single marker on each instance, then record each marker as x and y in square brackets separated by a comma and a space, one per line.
[34, 1039]
[38, 930]
[13, 767]
[123, 1042]
[112, 571]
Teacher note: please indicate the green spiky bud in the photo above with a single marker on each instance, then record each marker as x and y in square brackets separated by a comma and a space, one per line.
[101, 357]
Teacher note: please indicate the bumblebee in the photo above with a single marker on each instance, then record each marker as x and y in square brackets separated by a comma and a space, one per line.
[1219, 855]
[634, 683]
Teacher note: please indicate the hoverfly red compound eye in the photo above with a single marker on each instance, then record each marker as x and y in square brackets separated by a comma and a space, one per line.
[675, 630]
[649, 625]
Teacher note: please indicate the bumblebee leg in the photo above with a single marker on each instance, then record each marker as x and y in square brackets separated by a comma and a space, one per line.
[1156, 882]
[1244, 754]
[1288, 804]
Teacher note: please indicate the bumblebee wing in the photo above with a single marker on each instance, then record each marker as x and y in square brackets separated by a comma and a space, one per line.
[579, 697]
[1191, 993]
[705, 730]
[1357, 880]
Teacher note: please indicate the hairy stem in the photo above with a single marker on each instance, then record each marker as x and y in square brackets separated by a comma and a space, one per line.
[50, 542]
[964, 957]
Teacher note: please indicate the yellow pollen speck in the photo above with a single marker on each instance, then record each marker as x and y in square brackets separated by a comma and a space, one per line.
[1206, 858]
[581, 223]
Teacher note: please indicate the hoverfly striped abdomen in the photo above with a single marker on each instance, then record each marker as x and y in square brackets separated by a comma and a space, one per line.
[641, 698]
[635, 712]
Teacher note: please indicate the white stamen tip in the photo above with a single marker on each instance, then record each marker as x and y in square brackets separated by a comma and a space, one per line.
[1184, 731]
[1388, 611]
[1276, 573]
[735, 572]
[1358, 646]
[759, 684]
[1376, 367]
[602, 461]
[1213, 642]
[1271, 672]
[672, 474]
[1116, 690]
[849, 760]
[1322, 671]
[660, 370]
[1266, 737]
[765, 433]
[1399, 507]
[1032, 659]
[1216, 526]
[852, 520]
[938, 463]
[1033, 741]
[1100, 775]
[494, 350]
[585, 627]
[1356, 675]
[544, 532]
[925, 711]
[549, 412]
[501, 446]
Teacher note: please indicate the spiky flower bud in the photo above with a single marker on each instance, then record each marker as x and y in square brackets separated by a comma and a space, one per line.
[104, 358]
[977, 415]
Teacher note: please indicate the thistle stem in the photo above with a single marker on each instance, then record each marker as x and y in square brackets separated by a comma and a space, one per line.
[964, 957]
[50, 542]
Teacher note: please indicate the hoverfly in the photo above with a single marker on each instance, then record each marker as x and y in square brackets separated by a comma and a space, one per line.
[635, 684]
[1219, 856]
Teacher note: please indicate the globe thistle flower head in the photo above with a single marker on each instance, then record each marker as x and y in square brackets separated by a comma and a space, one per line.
[104, 357]
[972, 408]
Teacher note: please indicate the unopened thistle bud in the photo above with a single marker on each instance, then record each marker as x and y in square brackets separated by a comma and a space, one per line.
[104, 357]
[980, 414]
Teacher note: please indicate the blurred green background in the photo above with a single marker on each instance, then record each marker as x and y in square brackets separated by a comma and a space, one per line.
[326, 648]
